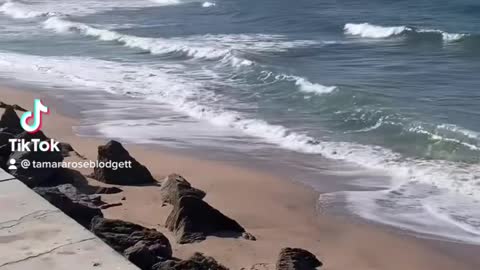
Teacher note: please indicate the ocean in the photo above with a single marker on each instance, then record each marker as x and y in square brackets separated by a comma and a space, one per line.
[382, 96]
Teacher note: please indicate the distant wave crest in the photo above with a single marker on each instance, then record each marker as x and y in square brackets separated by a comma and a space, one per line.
[367, 30]
[21, 11]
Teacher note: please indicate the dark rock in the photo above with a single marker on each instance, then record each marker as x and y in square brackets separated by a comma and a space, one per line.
[29, 136]
[141, 255]
[33, 177]
[114, 151]
[6, 149]
[175, 186]
[72, 203]
[85, 199]
[15, 107]
[122, 235]
[192, 220]
[65, 149]
[249, 236]
[197, 262]
[10, 121]
[108, 190]
[110, 205]
[297, 259]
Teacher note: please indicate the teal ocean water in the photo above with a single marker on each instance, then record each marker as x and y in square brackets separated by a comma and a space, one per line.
[388, 88]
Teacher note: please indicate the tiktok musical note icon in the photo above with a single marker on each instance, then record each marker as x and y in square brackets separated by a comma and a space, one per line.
[38, 110]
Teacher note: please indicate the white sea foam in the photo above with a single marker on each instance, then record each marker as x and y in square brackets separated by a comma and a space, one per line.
[193, 98]
[309, 87]
[212, 47]
[167, 2]
[41, 8]
[304, 85]
[21, 11]
[367, 30]
[208, 4]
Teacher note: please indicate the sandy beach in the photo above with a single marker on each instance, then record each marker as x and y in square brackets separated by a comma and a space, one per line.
[278, 212]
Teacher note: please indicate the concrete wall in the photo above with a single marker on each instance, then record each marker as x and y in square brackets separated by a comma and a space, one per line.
[36, 235]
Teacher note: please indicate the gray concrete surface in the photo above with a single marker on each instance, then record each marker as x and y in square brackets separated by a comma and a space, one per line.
[36, 235]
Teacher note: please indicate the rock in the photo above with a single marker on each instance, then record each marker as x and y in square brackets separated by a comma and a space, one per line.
[175, 186]
[122, 235]
[10, 121]
[197, 262]
[297, 259]
[6, 149]
[108, 190]
[141, 255]
[192, 220]
[33, 177]
[110, 205]
[72, 203]
[249, 236]
[65, 149]
[15, 106]
[114, 151]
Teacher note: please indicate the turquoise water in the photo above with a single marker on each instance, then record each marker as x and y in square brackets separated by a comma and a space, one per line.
[390, 87]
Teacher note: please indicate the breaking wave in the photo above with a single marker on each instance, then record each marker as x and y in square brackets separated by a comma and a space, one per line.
[209, 47]
[367, 30]
[21, 11]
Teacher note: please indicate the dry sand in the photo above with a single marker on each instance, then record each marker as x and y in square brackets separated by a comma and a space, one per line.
[278, 212]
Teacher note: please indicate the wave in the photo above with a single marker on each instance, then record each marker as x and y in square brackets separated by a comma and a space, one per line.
[193, 97]
[152, 45]
[208, 47]
[208, 4]
[21, 11]
[35, 9]
[304, 85]
[367, 30]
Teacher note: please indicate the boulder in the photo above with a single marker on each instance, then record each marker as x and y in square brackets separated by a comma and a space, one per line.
[143, 246]
[197, 262]
[75, 205]
[297, 259]
[113, 151]
[141, 255]
[10, 121]
[175, 186]
[33, 177]
[192, 220]
[6, 148]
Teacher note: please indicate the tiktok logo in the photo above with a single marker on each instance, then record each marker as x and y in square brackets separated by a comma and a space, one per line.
[36, 124]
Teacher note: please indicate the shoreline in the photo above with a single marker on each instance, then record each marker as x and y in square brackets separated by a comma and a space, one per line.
[287, 214]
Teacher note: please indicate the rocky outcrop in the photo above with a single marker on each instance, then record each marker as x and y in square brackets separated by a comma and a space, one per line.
[80, 207]
[197, 262]
[297, 259]
[34, 177]
[15, 106]
[193, 220]
[6, 148]
[10, 121]
[175, 186]
[113, 151]
[142, 246]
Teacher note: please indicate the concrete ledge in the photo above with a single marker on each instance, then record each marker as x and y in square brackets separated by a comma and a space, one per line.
[36, 235]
